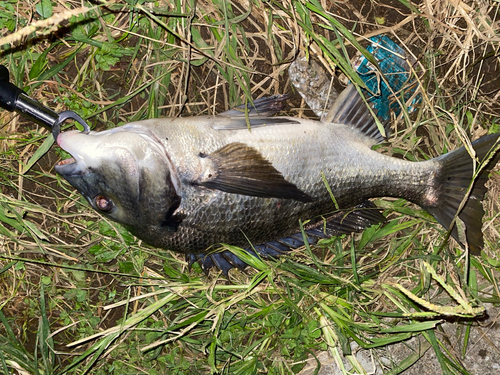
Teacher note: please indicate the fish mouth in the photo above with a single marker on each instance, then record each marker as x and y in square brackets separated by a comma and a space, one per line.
[66, 161]
[69, 167]
[74, 165]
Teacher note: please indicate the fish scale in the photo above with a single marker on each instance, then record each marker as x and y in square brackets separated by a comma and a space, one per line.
[189, 184]
[366, 175]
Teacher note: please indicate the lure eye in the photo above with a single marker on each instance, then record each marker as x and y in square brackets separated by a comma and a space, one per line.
[103, 203]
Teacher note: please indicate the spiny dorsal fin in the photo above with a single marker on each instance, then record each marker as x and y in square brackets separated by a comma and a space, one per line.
[350, 109]
[240, 122]
[247, 116]
[240, 169]
[266, 106]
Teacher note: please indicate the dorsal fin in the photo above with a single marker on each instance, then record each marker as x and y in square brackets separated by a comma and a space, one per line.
[240, 122]
[248, 116]
[350, 109]
[266, 106]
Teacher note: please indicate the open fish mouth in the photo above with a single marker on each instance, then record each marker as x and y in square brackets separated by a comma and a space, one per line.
[67, 161]
[75, 165]
[69, 167]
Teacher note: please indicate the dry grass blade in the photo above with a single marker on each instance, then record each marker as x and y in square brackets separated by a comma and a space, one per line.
[43, 27]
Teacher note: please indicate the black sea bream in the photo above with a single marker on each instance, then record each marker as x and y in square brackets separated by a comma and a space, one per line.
[188, 183]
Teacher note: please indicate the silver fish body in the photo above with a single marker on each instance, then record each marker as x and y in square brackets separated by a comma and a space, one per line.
[186, 184]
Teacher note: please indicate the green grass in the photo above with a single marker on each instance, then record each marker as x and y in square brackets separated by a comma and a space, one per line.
[81, 295]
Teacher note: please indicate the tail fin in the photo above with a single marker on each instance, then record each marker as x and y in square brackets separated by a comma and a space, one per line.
[455, 177]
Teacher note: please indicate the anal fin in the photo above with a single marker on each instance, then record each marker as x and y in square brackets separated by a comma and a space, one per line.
[354, 220]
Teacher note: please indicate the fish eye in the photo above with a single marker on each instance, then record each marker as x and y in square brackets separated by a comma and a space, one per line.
[103, 203]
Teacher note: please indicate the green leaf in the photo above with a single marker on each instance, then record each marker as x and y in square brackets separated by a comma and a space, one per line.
[9, 216]
[105, 61]
[198, 62]
[44, 8]
[413, 327]
[376, 232]
[42, 150]
[126, 267]
[39, 65]
[34, 229]
[7, 267]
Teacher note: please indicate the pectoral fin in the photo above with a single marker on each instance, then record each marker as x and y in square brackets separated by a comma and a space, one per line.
[240, 169]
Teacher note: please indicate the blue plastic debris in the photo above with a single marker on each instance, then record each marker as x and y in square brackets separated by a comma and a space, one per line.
[393, 65]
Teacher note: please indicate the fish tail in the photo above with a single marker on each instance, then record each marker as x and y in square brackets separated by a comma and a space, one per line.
[453, 183]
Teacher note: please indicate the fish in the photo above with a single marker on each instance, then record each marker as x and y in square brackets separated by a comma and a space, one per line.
[246, 177]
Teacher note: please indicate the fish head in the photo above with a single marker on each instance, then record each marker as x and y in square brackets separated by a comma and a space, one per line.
[124, 173]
